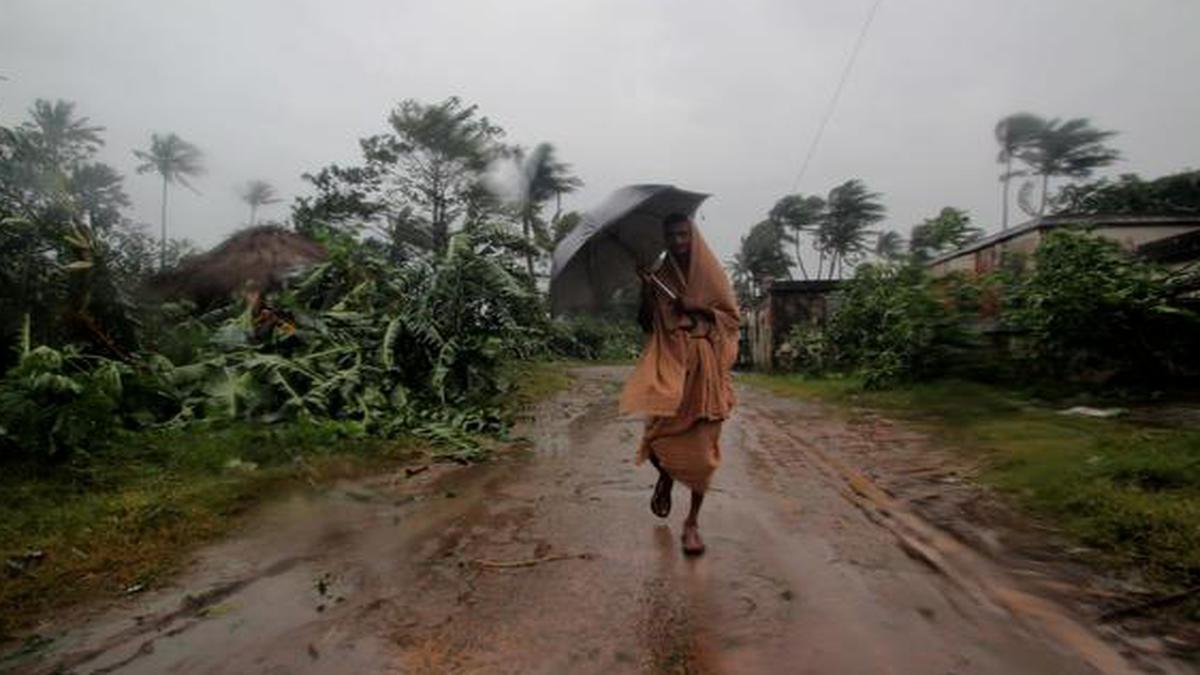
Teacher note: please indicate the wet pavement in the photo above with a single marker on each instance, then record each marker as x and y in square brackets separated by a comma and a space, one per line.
[548, 560]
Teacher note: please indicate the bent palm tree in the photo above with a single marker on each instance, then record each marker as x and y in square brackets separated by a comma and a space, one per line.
[1014, 133]
[851, 210]
[801, 215]
[542, 176]
[176, 161]
[1073, 149]
[258, 193]
[889, 245]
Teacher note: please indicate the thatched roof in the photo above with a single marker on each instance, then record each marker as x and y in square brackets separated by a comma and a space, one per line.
[257, 257]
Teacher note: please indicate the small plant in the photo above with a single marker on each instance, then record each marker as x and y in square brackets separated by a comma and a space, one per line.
[806, 349]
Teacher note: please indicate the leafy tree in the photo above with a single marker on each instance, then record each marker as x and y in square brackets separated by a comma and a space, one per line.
[949, 230]
[433, 161]
[802, 216]
[258, 193]
[1014, 133]
[417, 181]
[542, 177]
[1073, 149]
[1174, 194]
[175, 161]
[843, 234]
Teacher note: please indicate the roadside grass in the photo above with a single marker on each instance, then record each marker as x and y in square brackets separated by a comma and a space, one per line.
[125, 517]
[534, 381]
[1129, 491]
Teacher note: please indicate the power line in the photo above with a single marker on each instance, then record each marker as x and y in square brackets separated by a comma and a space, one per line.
[837, 93]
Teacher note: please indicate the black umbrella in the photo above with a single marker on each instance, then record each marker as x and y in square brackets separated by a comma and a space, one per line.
[605, 250]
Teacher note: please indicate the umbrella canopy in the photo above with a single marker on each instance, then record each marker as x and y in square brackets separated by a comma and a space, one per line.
[603, 252]
[260, 256]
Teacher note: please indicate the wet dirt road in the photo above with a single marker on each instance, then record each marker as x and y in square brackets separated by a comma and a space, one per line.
[548, 560]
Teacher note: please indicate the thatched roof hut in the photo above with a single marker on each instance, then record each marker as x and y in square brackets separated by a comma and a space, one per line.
[256, 258]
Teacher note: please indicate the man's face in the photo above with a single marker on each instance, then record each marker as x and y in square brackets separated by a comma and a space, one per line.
[679, 239]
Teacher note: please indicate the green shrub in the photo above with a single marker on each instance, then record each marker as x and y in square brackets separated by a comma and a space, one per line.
[890, 325]
[806, 349]
[1090, 311]
[594, 338]
[55, 402]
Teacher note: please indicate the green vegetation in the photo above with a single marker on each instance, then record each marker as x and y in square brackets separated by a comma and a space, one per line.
[124, 516]
[1088, 309]
[132, 428]
[1127, 490]
[1084, 313]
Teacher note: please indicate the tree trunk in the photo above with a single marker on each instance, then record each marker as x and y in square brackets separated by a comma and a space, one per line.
[162, 241]
[820, 263]
[799, 260]
[1005, 183]
[253, 209]
[1045, 188]
[528, 226]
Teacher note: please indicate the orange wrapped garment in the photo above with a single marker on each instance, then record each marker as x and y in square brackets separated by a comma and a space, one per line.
[683, 380]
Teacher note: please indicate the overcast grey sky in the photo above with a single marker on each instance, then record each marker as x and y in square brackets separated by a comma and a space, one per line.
[722, 97]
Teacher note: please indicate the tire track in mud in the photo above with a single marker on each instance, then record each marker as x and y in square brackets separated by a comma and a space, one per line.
[965, 568]
[811, 568]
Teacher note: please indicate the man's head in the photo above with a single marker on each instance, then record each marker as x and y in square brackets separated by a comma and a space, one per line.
[677, 231]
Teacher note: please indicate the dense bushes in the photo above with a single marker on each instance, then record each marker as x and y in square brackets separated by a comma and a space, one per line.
[1082, 310]
[890, 323]
[359, 340]
[1087, 309]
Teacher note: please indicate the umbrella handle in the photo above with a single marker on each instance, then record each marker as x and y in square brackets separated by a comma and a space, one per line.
[661, 286]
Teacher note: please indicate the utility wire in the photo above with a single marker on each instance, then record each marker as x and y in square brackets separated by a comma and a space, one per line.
[837, 93]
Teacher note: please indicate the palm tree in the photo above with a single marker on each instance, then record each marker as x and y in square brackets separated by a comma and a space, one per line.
[1073, 148]
[1014, 133]
[949, 230]
[801, 215]
[61, 136]
[542, 177]
[851, 210]
[889, 245]
[176, 161]
[258, 193]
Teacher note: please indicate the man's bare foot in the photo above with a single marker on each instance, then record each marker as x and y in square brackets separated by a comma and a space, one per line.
[660, 503]
[692, 543]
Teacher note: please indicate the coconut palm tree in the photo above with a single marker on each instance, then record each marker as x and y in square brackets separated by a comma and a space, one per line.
[542, 177]
[62, 137]
[175, 160]
[1014, 133]
[801, 215]
[258, 193]
[889, 245]
[850, 211]
[1073, 149]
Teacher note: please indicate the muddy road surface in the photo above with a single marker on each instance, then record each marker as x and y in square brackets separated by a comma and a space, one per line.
[548, 560]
